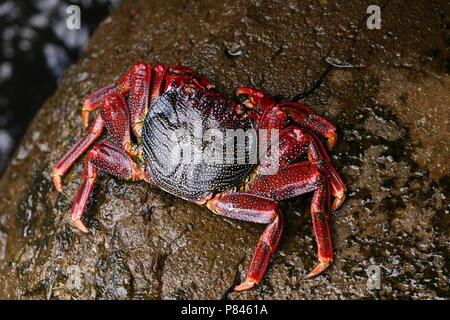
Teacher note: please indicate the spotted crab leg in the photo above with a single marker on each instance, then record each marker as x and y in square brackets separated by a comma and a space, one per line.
[76, 151]
[158, 82]
[296, 179]
[258, 201]
[136, 85]
[320, 214]
[318, 154]
[95, 101]
[292, 144]
[142, 85]
[269, 111]
[317, 174]
[116, 115]
[306, 117]
[267, 245]
[107, 157]
[331, 184]
[276, 116]
[251, 208]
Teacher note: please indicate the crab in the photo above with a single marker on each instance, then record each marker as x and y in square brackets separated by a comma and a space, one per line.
[146, 105]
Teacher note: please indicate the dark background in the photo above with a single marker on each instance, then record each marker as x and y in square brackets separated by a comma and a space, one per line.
[35, 48]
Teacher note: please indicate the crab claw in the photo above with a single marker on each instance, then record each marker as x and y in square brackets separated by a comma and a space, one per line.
[323, 264]
[244, 286]
[79, 225]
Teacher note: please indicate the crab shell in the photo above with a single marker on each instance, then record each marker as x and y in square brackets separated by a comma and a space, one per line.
[170, 126]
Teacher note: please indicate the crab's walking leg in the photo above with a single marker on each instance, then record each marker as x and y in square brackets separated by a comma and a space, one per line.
[318, 154]
[292, 144]
[257, 202]
[95, 101]
[76, 151]
[136, 84]
[305, 117]
[254, 209]
[293, 180]
[116, 116]
[159, 73]
[267, 245]
[296, 179]
[320, 218]
[107, 157]
[301, 114]
[142, 84]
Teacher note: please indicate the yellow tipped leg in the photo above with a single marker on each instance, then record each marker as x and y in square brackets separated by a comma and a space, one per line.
[323, 264]
[85, 117]
[79, 225]
[248, 284]
[331, 138]
[338, 201]
[57, 180]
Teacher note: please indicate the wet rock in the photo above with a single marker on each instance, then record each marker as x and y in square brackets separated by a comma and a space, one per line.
[386, 90]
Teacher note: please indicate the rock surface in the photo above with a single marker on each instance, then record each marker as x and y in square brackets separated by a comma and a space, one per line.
[387, 91]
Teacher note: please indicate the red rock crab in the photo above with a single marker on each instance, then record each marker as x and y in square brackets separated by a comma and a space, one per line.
[146, 105]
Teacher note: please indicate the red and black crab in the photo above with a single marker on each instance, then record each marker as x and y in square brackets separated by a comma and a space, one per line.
[148, 103]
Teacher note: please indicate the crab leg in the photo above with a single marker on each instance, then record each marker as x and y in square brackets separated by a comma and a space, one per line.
[303, 115]
[94, 101]
[307, 118]
[290, 181]
[267, 245]
[243, 206]
[320, 216]
[158, 81]
[116, 116]
[136, 83]
[296, 179]
[258, 100]
[258, 201]
[318, 154]
[107, 157]
[292, 144]
[250, 208]
[76, 151]
[142, 84]
[177, 76]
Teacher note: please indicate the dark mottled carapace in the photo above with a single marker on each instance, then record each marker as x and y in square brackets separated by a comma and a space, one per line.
[183, 137]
